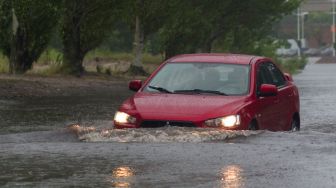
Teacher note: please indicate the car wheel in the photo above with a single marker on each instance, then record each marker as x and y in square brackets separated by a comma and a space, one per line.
[253, 126]
[295, 125]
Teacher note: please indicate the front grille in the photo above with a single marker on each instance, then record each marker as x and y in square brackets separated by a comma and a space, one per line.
[154, 124]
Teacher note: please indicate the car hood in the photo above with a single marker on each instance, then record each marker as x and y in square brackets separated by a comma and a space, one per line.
[151, 105]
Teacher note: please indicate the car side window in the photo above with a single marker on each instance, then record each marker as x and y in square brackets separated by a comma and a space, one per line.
[276, 75]
[263, 76]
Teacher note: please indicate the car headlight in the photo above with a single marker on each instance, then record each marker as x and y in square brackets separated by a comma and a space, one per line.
[227, 121]
[122, 117]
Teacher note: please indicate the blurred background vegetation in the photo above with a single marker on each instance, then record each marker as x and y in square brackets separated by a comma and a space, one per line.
[133, 36]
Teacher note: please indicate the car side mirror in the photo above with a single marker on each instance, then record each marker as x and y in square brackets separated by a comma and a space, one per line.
[268, 90]
[288, 77]
[135, 85]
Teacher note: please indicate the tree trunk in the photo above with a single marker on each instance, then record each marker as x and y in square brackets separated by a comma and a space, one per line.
[13, 58]
[20, 59]
[138, 46]
[207, 46]
[72, 53]
[138, 43]
[170, 51]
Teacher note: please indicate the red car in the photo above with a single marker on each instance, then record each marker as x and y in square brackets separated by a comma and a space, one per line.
[227, 91]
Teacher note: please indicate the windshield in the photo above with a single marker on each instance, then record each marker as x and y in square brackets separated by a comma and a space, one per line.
[209, 78]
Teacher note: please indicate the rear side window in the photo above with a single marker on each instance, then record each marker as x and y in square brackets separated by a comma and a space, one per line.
[277, 76]
[268, 73]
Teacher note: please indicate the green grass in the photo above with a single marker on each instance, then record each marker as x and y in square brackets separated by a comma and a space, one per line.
[50, 57]
[122, 56]
[50, 61]
[152, 59]
[4, 64]
[106, 54]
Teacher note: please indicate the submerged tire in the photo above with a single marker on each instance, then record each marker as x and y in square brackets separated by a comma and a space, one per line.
[253, 126]
[295, 125]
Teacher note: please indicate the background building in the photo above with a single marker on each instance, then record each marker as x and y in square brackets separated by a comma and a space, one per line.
[317, 24]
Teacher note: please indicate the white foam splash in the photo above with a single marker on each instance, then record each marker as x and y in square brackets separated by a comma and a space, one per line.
[170, 134]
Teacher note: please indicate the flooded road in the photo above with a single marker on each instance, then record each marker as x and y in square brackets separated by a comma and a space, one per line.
[50, 113]
[37, 151]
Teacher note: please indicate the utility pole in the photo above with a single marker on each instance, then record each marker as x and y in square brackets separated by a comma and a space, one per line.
[333, 27]
[303, 41]
[298, 31]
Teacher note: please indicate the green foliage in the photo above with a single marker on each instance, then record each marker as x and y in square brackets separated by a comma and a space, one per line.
[318, 17]
[196, 25]
[152, 14]
[120, 39]
[108, 71]
[4, 64]
[92, 29]
[107, 54]
[36, 21]
[122, 56]
[50, 56]
[5, 26]
[293, 65]
[85, 24]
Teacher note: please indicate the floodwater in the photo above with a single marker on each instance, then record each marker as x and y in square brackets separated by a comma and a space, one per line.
[50, 113]
[37, 151]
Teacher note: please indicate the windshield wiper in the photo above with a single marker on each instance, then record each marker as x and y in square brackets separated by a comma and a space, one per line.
[161, 89]
[198, 91]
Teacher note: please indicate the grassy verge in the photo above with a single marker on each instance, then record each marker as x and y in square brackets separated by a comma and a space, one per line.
[49, 63]
[99, 61]
[122, 56]
[112, 63]
[49, 57]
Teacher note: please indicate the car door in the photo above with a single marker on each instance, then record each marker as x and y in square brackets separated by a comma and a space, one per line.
[283, 105]
[267, 107]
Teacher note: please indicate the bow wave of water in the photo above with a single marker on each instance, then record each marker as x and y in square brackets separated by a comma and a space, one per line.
[159, 135]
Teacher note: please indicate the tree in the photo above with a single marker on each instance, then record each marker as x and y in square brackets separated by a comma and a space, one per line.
[196, 25]
[185, 28]
[145, 17]
[25, 29]
[85, 24]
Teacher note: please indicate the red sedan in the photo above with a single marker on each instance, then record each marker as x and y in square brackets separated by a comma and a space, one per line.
[228, 91]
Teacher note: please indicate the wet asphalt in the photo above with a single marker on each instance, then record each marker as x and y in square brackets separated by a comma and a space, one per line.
[37, 151]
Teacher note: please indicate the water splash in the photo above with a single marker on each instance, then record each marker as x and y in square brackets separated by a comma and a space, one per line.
[159, 135]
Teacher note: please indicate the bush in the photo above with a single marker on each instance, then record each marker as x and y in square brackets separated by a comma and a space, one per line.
[293, 65]
[4, 64]
[50, 56]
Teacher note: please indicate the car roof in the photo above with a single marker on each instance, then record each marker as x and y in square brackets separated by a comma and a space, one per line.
[215, 58]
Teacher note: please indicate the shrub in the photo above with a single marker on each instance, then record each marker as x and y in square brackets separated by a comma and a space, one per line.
[4, 64]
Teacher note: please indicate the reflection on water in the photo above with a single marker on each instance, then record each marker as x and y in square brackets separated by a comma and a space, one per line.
[231, 177]
[122, 176]
[122, 172]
